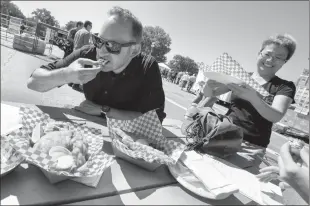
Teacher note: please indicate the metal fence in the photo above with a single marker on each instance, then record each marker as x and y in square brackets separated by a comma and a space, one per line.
[31, 36]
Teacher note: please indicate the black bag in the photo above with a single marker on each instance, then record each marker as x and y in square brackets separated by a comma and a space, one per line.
[212, 133]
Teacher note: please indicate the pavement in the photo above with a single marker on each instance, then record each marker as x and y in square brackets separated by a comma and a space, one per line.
[16, 68]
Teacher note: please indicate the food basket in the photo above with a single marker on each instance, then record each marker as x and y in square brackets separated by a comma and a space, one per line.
[10, 159]
[147, 126]
[88, 174]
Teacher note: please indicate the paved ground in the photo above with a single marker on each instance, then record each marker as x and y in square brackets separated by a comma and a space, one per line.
[16, 67]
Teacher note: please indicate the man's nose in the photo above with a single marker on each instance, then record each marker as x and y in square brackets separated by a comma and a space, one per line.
[103, 50]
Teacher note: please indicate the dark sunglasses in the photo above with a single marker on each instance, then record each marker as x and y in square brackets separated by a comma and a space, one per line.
[111, 46]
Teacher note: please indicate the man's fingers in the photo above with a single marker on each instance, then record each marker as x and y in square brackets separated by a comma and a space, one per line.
[85, 61]
[286, 156]
[304, 155]
[270, 169]
[263, 174]
[284, 185]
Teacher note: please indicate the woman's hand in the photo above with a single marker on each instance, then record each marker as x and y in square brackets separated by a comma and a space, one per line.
[89, 107]
[213, 88]
[191, 111]
[244, 92]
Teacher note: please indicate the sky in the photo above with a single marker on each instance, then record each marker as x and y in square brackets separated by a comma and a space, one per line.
[203, 30]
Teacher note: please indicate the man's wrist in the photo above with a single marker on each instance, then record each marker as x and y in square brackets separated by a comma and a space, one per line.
[65, 76]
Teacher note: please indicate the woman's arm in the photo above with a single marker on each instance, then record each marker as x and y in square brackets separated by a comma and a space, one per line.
[276, 111]
[273, 113]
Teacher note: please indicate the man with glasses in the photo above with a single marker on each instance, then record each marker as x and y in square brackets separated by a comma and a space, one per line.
[118, 80]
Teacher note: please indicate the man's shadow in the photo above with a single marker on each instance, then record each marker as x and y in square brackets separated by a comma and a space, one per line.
[60, 114]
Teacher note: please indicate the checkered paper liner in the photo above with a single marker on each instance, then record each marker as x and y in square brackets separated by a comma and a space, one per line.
[149, 127]
[226, 65]
[96, 164]
[14, 160]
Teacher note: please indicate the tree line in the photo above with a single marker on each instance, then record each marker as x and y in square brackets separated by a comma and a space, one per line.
[156, 41]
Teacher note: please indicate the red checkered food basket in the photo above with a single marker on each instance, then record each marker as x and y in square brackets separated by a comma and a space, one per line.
[160, 150]
[88, 174]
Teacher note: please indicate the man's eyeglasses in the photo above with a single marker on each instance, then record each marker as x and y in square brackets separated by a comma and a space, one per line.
[111, 46]
[268, 55]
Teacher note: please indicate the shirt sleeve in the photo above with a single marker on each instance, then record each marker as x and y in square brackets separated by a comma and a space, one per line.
[65, 61]
[287, 89]
[153, 96]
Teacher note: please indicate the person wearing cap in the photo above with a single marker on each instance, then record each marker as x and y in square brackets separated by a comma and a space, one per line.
[118, 80]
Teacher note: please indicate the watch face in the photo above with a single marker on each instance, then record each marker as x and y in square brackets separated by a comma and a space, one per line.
[105, 108]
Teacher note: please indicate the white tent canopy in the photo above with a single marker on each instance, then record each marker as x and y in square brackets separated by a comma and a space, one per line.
[163, 66]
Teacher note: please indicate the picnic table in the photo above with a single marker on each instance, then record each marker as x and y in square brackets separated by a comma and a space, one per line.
[122, 183]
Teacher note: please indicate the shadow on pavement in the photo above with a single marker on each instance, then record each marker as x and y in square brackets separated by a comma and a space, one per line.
[59, 114]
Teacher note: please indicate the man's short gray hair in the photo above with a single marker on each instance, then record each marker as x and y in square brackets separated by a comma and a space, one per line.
[125, 14]
[284, 40]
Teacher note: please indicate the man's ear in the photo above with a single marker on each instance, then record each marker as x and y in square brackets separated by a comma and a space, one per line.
[136, 49]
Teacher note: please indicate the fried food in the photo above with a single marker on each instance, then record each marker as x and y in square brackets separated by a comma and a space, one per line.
[51, 139]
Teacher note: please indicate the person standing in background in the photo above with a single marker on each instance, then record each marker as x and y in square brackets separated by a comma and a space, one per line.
[82, 37]
[191, 81]
[70, 37]
[184, 80]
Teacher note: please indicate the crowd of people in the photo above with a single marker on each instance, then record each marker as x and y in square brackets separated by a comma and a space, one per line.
[185, 80]
[120, 82]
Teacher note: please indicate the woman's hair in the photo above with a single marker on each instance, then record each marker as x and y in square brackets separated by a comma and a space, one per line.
[284, 40]
[125, 14]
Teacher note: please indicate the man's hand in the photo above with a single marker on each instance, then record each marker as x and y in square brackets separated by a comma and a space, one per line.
[290, 172]
[122, 114]
[77, 73]
[89, 107]
[244, 92]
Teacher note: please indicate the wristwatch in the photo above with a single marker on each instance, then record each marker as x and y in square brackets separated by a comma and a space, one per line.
[105, 108]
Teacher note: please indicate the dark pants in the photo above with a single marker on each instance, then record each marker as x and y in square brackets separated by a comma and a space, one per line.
[189, 86]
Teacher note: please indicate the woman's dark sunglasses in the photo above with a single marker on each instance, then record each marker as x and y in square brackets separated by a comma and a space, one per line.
[111, 46]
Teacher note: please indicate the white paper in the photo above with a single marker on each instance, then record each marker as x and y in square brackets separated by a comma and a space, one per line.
[10, 119]
[248, 184]
[10, 200]
[209, 175]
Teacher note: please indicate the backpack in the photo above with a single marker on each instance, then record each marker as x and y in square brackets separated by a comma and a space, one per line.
[212, 133]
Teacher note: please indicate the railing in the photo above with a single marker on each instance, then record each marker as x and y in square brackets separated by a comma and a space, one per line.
[37, 32]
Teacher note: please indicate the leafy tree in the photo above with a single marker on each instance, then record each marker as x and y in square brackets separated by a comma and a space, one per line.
[184, 64]
[70, 25]
[45, 16]
[9, 8]
[156, 42]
